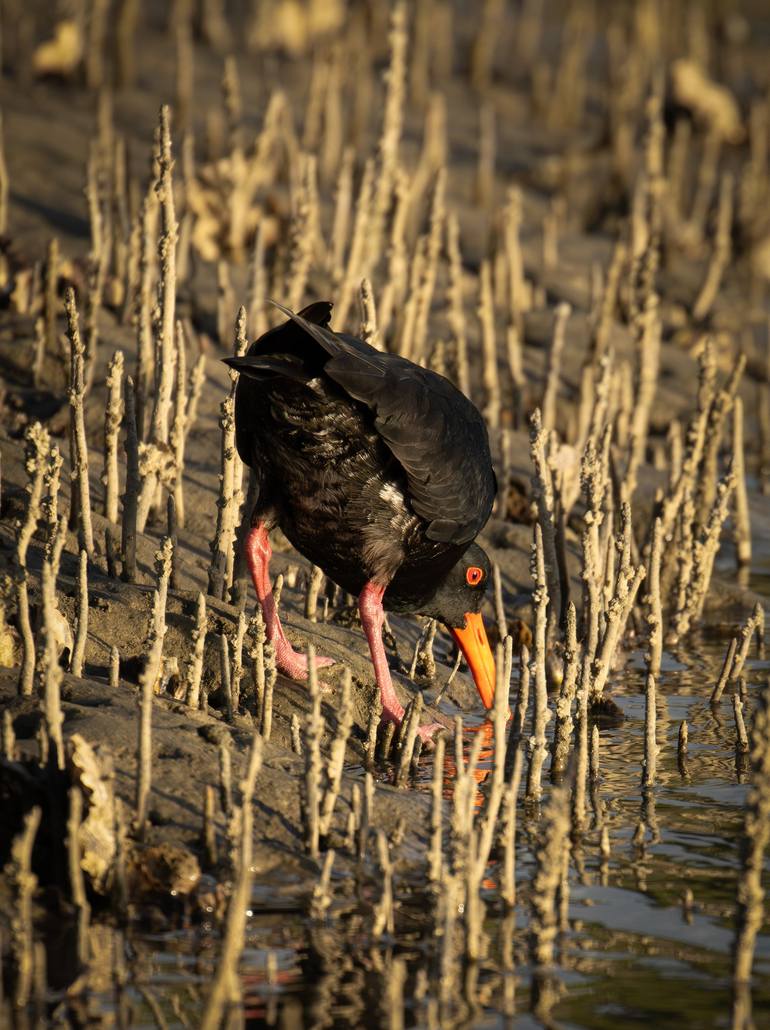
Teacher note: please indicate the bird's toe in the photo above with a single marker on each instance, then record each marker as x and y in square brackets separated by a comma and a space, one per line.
[294, 664]
[430, 732]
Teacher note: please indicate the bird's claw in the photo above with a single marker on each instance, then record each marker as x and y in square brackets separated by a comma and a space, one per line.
[294, 664]
[426, 732]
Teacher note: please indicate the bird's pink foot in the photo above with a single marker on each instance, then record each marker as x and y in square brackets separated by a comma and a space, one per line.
[288, 661]
[392, 713]
[396, 715]
[294, 664]
[428, 732]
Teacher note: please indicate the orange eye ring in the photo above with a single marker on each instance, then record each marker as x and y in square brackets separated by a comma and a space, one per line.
[473, 575]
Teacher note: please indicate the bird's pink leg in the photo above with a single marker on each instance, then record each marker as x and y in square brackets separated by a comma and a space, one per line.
[287, 660]
[372, 618]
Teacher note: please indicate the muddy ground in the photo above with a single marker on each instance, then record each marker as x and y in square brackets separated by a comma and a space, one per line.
[48, 124]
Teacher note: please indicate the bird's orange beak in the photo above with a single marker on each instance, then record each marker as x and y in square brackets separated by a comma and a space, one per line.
[474, 645]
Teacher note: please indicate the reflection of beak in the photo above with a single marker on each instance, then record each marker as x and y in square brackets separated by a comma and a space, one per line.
[485, 763]
[473, 642]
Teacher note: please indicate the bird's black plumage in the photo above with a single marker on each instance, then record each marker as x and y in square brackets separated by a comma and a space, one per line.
[375, 468]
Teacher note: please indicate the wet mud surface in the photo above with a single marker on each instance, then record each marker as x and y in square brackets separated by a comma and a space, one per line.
[645, 927]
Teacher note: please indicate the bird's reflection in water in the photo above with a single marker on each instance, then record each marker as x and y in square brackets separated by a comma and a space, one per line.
[484, 765]
[479, 738]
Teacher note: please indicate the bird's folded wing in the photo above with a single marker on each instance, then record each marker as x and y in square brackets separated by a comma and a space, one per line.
[431, 428]
[434, 432]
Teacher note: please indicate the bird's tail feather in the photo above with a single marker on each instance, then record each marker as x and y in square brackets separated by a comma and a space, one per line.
[257, 366]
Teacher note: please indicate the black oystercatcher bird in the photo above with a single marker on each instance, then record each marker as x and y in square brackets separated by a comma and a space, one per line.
[378, 471]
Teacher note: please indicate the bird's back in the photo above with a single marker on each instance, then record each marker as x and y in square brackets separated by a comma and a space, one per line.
[347, 451]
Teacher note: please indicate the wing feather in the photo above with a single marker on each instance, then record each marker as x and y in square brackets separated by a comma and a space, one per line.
[435, 433]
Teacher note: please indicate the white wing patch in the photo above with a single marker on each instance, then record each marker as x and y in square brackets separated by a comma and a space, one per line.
[391, 494]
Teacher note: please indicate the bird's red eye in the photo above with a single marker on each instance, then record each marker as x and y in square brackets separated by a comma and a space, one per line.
[473, 576]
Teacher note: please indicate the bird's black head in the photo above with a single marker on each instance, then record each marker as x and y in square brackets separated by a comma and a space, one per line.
[462, 591]
[457, 603]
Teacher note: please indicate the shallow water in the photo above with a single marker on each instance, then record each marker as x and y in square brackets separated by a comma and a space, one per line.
[634, 931]
[632, 952]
